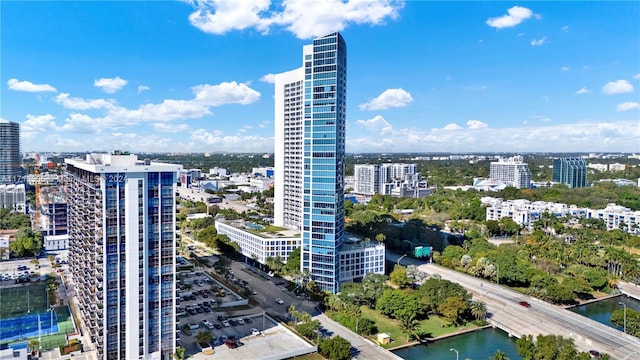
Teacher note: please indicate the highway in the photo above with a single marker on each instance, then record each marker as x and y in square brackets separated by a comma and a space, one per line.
[541, 318]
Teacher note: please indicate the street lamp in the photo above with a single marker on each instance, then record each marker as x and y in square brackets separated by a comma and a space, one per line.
[452, 349]
[625, 315]
[400, 258]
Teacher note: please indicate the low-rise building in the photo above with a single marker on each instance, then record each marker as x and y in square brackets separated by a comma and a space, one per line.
[359, 258]
[13, 197]
[526, 213]
[257, 244]
[56, 242]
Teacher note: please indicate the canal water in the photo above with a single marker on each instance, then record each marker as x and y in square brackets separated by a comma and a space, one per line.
[480, 345]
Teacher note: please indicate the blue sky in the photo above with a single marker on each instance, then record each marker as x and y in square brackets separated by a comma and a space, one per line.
[423, 76]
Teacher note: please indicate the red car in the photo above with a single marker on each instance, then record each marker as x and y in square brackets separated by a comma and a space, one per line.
[525, 304]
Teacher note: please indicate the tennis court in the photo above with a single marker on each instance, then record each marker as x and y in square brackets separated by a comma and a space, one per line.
[21, 300]
[26, 326]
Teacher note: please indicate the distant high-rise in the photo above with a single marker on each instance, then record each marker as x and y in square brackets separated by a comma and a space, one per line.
[570, 171]
[122, 253]
[513, 172]
[309, 156]
[10, 159]
[367, 179]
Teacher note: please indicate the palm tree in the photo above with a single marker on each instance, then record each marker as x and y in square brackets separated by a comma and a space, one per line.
[204, 336]
[180, 354]
[409, 324]
[33, 345]
[478, 309]
[499, 355]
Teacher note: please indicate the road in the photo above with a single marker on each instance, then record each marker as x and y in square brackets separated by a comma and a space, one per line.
[541, 317]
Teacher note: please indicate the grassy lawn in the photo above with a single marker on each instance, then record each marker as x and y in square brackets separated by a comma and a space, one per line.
[434, 326]
[65, 324]
[16, 301]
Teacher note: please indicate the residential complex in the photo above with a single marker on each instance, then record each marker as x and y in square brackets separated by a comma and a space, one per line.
[570, 171]
[512, 171]
[122, 253]
[13, 197]
[526, 213]
[10, 158]
[400, 180]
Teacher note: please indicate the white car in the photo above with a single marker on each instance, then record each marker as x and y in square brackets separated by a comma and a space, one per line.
[225, 323]
[240, 321]
[279, 301]
[255, 331]
[207, 324]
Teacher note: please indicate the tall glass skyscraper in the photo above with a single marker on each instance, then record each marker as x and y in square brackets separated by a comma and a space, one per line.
[10, 158]
[310, 150]
[122, 253]
[570, 171]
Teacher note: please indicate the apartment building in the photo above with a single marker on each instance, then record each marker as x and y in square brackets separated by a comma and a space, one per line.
[122, 253]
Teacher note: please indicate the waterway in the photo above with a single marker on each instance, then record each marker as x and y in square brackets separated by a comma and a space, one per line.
[601, 311]
[480, 345]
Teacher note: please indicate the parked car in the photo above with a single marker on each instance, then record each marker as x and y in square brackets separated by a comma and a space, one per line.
[255, 331]
[225, 323]
[279, 301]
[248, 320]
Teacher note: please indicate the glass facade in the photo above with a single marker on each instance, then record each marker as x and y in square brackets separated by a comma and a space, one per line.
[570, 171]
[325, 69]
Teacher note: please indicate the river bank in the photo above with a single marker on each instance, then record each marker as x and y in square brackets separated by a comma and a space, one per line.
[430, 340]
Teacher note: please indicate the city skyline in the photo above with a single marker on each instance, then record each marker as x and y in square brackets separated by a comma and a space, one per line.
[424, 76]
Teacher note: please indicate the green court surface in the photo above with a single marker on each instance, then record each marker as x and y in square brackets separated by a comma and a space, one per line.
[20, 300]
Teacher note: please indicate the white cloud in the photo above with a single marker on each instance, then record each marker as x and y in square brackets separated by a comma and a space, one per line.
[81, 123]
[376, 124]
[82, 104]
[205, 97]
[16, 85]
[636, 76]
[617, 87]
[204, 139]
[539, 42]
[583, 90]
[169, 128]
[565, 68]
[263, 124]
[629, 105]
[142, 88]
[225, 93]
[476, 124]
[565, 28]
[268, 78]
[451, 126]
[110, 85]
[304, 19]
[389, 98]
[568, 137]
[515, 15]
[36, 123]
[541, 118]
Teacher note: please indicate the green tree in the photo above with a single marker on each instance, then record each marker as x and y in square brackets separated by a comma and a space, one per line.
[180, 353]
[478, 309]
[335, 348]
[27, 243]
[399, 276]
[453, 309]
[292, 267]
[204, 336]
[499, 355]
[409, 324]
